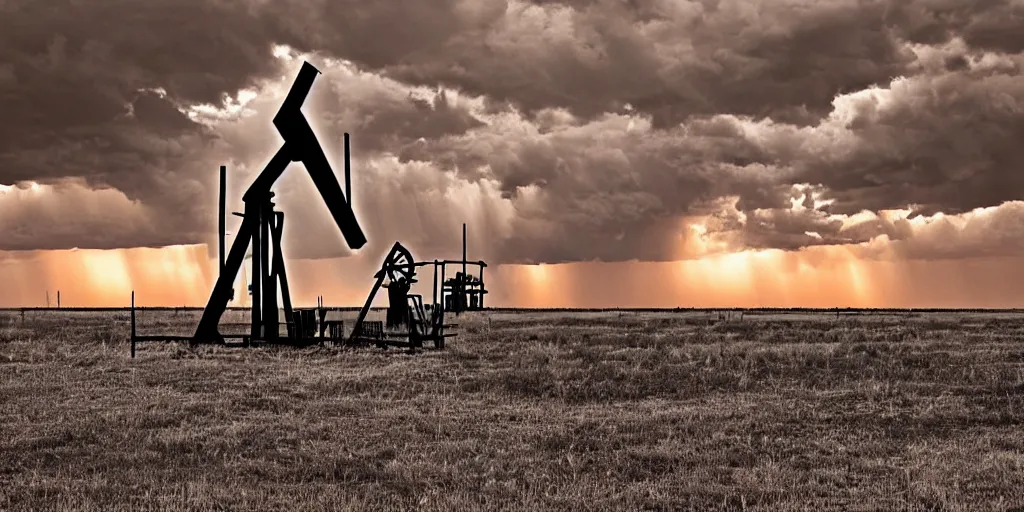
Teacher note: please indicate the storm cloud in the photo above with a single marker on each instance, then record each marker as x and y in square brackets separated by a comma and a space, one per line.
[560, 130]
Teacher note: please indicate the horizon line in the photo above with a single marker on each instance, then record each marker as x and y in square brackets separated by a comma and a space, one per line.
[542, 310]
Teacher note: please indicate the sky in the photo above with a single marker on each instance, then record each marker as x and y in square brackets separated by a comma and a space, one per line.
[643, 153]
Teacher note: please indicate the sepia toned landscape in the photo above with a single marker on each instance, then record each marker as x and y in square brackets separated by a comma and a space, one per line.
[737, 166]
[524, 410]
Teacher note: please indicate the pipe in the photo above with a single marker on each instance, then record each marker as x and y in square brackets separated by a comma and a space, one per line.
[133, 324]
[221, 217]
[348, 172]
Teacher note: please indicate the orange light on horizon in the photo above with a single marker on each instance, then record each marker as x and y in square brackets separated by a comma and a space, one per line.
[540, 289]
[823, 276]
[167, 276]
[105, 275]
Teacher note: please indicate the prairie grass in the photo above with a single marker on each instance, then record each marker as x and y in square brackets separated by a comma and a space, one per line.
[523, 411]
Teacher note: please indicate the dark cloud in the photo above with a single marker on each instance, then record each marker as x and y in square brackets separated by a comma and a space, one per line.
[563, 130]
[378, 34]
[80, 102]
[671, 61]
[69, 214]
[384, 115]
[788, 229]
[156, 113]
[612, 189]
[94, 91]
[985, 25]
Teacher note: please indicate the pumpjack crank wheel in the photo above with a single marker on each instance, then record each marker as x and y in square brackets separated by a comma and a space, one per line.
[401, 264]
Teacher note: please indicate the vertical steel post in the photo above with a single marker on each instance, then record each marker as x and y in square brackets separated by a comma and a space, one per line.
[348, 172]
[434, 297]
[269, 309]
[222, 222]
[256, 276]
[133, 324]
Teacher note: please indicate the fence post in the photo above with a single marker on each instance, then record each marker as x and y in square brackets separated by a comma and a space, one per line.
[133, 324]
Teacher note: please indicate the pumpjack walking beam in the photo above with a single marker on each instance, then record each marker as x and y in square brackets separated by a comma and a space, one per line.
[300, 145]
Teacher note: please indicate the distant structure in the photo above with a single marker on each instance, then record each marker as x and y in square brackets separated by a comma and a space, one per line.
[408, 322]
[464, 292]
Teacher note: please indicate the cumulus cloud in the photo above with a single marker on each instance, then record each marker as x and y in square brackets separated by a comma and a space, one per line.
[983, 232]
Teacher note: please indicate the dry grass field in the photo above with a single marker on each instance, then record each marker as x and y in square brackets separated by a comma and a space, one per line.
[523, 411]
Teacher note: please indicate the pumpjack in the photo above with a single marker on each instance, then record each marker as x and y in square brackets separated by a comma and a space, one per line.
[404, 309]
[397, 273]
[262, 226]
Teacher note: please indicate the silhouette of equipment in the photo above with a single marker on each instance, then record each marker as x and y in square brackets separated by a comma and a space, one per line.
[262, 226]
[405, 310]
[464, 292]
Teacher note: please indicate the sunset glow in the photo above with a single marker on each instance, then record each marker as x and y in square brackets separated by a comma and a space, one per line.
[167, 276]
[829, 276]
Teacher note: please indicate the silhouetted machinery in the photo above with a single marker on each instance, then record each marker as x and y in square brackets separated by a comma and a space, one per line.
[263, 227]
[410, 323]
[464, 291]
